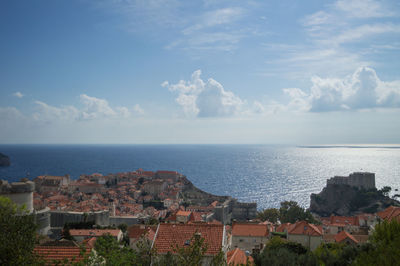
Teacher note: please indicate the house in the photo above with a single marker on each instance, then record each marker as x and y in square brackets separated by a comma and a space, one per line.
[170, 236]
[238, 257]
[249, 236]
[65, 252]
[82, 234]
[154, 187]
[47, 183]
[309, 235]
[345, 237]
[336, 224]
[183, 216]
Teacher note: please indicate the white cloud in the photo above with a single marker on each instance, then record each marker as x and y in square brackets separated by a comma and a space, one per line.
[95, 107]
[205, 99]
[363, 8]
[362, 90]
[215, 18]
[18, 94]
[138, 110]
[363, 31]
[48, 113]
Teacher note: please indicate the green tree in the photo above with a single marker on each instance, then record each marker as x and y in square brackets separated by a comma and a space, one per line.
[193, 253]
[17, 234]
[291, 212]
[336, 254]
[386, 190]
[270, 214]
[280, 252]
[384, 245]
[109, 251]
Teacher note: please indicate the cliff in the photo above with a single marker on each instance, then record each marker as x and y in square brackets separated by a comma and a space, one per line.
[345, 200]
[195, 196]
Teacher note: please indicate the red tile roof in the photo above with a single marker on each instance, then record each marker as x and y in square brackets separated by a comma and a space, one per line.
[52, 254]
[137, 231]
[390, 213]
[249, 229]
[342, 236]
[304, 228]
[171, 235]
[281, 228]
[183, 213]
[237, 257]
[343, 220]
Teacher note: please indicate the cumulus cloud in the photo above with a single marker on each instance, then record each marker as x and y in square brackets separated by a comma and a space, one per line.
[205, 99]
[18, 94]
[362, 90]
[48, 113]
[93, 108]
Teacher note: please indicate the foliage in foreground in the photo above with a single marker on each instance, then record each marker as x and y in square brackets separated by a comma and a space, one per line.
[17, 234]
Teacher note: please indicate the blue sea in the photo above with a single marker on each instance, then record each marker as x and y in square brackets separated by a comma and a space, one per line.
[252, 173]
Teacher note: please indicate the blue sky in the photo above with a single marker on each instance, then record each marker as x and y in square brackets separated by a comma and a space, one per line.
[154, 71]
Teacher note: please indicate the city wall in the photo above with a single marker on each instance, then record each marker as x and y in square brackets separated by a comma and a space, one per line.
[59, 218]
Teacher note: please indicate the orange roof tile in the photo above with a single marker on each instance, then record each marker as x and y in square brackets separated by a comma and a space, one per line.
[340, 237]
[281, 228]
[52, 254]
[183, 213]
[137, 231]
[249, 229]
[304, 228]
[171, 235]
[343, 220]
[237, 257]
[390, 213]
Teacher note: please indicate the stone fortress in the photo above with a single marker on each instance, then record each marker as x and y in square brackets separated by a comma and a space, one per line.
[363, 180]
[21, 193]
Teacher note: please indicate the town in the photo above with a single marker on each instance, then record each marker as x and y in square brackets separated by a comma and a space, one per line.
[166, 209]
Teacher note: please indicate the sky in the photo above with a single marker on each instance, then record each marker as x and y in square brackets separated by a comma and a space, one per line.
[206, 72]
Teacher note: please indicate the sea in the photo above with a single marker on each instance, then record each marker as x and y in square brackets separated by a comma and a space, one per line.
[265, 174]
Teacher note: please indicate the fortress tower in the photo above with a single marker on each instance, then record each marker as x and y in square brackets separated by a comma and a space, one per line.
[358, 179]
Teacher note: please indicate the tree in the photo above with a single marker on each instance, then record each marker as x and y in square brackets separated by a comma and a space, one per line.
[17, 234]
[384, 245]
[291, 212]
[386, 190]
[192, 254]
[337, 254]
[270, 214]
[280, 252]
[109, 250]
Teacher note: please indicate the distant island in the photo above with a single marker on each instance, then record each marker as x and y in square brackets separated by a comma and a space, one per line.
[4, 160]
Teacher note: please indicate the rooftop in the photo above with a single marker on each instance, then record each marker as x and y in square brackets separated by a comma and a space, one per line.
[171, 235]
[248, 229]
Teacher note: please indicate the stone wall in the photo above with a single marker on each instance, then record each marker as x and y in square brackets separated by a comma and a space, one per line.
[20, 193]
[59, 218]
[244, 211]
[358, 179]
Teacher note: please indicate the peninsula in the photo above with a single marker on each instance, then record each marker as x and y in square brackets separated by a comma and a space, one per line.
[4, 160]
